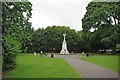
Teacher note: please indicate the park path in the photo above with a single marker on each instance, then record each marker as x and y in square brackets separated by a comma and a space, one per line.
[86, 69]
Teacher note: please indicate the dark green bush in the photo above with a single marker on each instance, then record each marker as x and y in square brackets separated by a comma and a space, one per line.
[11, 48]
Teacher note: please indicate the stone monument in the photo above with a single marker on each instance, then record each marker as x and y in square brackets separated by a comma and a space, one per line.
[64, 46]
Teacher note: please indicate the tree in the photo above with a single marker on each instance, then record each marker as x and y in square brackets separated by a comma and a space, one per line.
[104, 17]
[15, 30]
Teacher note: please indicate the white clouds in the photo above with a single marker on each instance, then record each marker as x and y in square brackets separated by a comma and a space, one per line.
[58, 12]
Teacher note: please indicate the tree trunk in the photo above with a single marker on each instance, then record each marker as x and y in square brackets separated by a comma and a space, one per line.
[114, 49]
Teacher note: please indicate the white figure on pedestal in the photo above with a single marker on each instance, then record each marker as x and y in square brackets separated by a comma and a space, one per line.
[64, 46]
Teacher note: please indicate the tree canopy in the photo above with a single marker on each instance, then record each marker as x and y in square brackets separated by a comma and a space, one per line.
[104, 18]
[16, 30]
[51, 38]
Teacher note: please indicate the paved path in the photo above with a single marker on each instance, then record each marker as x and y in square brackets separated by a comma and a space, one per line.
[86, 69]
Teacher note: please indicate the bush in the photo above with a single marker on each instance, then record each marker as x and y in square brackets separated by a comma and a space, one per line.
[10, 49]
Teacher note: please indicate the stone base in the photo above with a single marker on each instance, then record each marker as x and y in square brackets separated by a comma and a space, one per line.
[64, 52]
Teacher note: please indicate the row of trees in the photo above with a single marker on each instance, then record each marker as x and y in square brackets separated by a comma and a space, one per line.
[51, 38]
[16, 31]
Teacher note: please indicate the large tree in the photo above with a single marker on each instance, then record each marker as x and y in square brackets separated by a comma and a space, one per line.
[16, 30]
[104, 18]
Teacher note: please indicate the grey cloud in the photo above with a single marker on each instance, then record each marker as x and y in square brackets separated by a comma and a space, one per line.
[59, 12]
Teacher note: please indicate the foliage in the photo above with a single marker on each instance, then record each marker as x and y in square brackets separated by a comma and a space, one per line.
[50, 39]
[118, 47]
[15, 30]
[104, 18]
[11, 47]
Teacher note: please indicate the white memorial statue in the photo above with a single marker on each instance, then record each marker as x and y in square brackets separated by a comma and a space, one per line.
[64, 46]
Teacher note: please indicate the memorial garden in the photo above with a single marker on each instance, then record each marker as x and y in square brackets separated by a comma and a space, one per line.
[59, 51]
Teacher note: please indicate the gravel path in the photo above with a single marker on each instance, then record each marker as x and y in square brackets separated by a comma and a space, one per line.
[86, 69]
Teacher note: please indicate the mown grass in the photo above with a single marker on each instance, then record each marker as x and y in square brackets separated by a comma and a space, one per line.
[30, 66]
[106, 61]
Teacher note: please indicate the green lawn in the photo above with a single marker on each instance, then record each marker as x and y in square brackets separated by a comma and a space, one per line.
[30, 66]
[106, 61]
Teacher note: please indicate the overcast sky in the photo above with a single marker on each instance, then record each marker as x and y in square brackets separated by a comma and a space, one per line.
[58, 12]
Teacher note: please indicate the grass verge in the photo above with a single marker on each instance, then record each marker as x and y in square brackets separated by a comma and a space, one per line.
[30, 66]
[106, 61]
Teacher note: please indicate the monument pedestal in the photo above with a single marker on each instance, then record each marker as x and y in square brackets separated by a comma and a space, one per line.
[64, 46]
[64, 52]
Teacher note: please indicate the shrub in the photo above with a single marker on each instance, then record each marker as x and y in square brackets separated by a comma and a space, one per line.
[10, 49]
